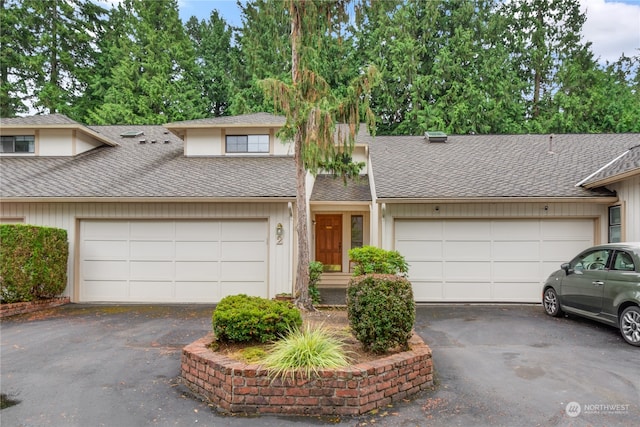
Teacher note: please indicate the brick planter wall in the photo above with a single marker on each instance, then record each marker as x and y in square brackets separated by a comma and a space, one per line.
[236, 387]
[15, 308]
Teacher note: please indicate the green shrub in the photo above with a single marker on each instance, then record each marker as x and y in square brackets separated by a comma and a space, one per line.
[381, 311]
[242, 318]
[306, 350]
[33, 262]
[315, 273]
[372, 260]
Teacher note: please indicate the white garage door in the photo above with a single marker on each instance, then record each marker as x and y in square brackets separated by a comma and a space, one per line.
[487, 260]
[172, 261]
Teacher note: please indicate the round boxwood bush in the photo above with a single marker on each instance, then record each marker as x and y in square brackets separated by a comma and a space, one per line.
[381, 311]
[242, 318]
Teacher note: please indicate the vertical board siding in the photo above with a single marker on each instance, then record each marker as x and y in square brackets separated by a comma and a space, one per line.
[629, 194]
[65, 215]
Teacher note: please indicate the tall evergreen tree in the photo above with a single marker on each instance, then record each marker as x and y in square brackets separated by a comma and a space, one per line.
[14, 37]
[152, 79]
[215, 56]
[55, 39]
[313, 112]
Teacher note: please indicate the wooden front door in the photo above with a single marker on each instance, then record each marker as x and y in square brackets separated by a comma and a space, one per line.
[329, 241]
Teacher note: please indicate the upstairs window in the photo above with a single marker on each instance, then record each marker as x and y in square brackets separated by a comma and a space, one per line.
[247, 144]
[18, 144]
[615, 224]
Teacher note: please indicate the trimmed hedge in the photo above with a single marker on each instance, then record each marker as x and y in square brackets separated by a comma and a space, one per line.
[373, 260]
[33, 262]
[381, 311]
[242, 318]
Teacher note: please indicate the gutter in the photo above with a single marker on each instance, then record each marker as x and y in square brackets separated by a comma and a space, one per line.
[594, 199]
[146, 199]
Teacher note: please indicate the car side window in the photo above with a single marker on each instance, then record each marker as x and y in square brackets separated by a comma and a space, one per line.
[623, 262]
[592, 260]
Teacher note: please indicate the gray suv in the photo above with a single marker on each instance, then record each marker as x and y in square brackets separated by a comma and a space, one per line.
[603, 284]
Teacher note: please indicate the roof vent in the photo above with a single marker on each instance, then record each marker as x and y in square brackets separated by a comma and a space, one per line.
[435, 136]
[166, 141]
[143, 141]
[132, 133]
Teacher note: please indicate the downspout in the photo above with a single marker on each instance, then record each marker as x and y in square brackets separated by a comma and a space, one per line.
[384, 226]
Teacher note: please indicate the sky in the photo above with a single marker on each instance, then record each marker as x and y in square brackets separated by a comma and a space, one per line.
[612, 26]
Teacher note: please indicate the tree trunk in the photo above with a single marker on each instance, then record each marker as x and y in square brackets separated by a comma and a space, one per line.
[301, 289]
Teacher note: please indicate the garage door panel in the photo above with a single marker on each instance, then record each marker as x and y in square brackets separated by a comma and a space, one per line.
[152, 230]
[467, 250]
[427, 291]
[158, 250]
[516, 250]
[161, 290]
[421, 250]
[487, 259]
[151, 270]
[197, 291]
[105, 230]
[242, 231]
[515, 270]
[97, 290]
[463, 291]
[241, 271]
[105, 270]
[418, 230]
[513, 291]
[425, 270]
[105, 249]
[171, 260]
[467, 230]
[192, 271]
[516, 230]
[197, 251]
[467, 270]
[243, 251]
[197, 230]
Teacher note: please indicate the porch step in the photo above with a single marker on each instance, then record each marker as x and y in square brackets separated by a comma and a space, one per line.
[334, 280]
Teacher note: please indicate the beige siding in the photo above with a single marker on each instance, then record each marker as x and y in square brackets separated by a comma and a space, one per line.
[56, 142]
[493, 210]
[211, 142]
[629, 194]
[68, 215]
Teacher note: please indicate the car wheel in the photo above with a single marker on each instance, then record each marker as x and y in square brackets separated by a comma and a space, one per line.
[630, 325]
[551, 303]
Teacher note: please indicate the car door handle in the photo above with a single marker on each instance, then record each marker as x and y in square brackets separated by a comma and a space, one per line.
[598, 283]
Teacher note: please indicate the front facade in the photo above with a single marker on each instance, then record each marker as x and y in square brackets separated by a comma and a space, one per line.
[197, 210]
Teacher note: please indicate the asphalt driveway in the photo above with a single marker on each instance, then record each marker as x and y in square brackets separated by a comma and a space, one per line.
[98, 365]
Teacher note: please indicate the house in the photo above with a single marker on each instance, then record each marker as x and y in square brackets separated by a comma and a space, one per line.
[196, 210]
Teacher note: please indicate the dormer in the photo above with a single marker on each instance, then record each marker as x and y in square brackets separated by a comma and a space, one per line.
[47, 135]
[244, 135]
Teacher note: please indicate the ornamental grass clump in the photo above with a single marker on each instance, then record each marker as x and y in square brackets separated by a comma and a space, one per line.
[307, 350]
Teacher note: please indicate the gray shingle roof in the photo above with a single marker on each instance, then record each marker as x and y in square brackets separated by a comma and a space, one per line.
[488, 166]
[627, 163]
[328, 188]
[260, 119]
[39, 120]
[134, 170]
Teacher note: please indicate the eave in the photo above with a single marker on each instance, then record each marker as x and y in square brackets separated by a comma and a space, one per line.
[612, 179]
[70, 126]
